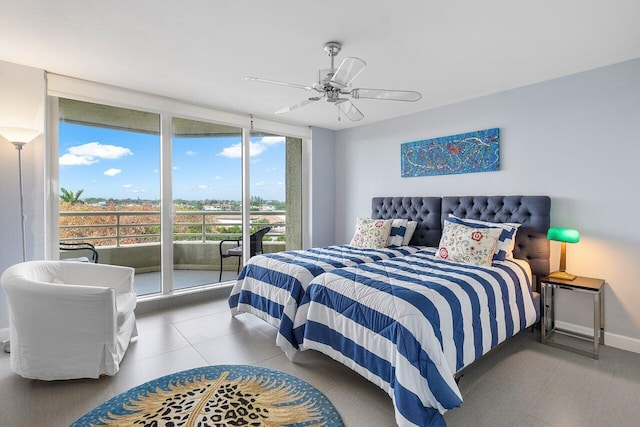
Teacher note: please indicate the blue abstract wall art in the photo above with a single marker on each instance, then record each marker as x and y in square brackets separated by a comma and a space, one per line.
[477, 151]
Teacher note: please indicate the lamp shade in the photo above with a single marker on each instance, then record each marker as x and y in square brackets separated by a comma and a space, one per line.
[20, 135]
[566, 235]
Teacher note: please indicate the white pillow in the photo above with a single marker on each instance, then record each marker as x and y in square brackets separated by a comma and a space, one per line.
[371, 233]
[470, 245]
[411, 228]
[506, 241]
[398, 230]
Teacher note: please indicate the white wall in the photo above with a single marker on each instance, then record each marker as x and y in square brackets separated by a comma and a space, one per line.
[22, 94]
[575, 139]
[322, 187]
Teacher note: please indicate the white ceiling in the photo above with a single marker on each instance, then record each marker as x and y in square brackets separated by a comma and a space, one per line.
[201, 51]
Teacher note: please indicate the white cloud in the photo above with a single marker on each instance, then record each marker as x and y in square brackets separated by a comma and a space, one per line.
[255, 147]
[271, 140]
[128, 185]
[140, 191]
[73, 160]
[232, 152]
[190, 153]
[260, 184]
[175, 168]
[112, 172]
[203, 186]
[95, 149]
[218, 177]
[92, 152]
[280, 183]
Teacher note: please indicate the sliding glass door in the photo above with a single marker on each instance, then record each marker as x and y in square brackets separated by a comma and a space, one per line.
[207, 201]
[276, 190]
[167, 195]
[109, 187]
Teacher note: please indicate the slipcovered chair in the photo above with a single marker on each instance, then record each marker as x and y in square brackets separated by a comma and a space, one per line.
[69, 319]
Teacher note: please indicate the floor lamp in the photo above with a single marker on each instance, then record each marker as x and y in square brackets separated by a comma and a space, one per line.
[19, 137]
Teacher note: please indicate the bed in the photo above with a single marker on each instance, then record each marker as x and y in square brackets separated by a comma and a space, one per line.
[409, 324]
[270, 286]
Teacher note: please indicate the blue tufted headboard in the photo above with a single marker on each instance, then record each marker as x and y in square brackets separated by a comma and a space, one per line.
[533, 212]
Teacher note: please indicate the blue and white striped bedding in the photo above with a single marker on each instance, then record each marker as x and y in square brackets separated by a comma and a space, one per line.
[409, 324]
[270, 286]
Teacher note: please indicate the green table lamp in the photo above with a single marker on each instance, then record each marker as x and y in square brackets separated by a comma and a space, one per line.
[564, 235]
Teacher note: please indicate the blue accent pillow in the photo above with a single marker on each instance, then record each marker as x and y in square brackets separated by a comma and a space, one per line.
[506, 241]
[411, 228]
[398, 230]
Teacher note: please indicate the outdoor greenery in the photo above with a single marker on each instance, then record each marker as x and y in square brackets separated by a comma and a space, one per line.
[70, 197]
[100, 220]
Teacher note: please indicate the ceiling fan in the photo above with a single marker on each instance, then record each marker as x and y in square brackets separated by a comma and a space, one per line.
[333, 83]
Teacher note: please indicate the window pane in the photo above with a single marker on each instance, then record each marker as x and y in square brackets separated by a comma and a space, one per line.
[110, 186]
[207, 200]
[276, 190]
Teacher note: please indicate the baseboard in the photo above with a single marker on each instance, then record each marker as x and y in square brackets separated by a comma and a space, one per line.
[185, 296]
[613, 340]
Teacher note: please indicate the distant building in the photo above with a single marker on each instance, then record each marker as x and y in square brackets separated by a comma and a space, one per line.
[217, 207]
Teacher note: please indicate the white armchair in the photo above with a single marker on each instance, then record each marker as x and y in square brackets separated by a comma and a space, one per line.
[69, 319]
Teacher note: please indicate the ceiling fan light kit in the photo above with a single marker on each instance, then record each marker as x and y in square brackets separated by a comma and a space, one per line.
[332, 83]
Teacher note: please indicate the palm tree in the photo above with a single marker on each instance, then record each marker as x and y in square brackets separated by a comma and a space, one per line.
[257, 201]
[67, 196]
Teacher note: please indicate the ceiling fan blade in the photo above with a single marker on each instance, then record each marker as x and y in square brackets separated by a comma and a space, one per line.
[298, 105]
[347, 71]
[350, 110]
[390, 95]
[275, 82]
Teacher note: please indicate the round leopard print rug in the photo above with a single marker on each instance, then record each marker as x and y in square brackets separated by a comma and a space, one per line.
[223, 395]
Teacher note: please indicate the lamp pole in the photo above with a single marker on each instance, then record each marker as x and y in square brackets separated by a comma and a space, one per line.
[19, 137]
[19, 146]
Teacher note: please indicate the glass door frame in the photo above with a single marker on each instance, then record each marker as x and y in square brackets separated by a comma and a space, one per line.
[166, 204]
[67, 87]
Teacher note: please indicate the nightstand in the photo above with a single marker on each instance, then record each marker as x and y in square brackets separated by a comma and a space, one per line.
[594, 287]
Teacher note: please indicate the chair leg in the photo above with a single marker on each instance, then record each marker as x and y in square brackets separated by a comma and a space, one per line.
[220, 277]
[239, 259]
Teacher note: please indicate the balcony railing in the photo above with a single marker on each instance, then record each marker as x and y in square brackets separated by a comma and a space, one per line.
[123, 228]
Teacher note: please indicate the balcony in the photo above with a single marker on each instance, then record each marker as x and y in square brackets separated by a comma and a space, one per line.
[132, 238]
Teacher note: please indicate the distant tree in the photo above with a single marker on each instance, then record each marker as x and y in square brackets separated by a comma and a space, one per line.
[257, 201]
[70, 197]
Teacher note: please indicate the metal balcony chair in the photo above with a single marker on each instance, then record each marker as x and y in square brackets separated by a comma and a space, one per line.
[255, 248]
[66, 246]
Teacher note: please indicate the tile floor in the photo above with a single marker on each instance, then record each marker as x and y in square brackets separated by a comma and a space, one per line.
[523, 383]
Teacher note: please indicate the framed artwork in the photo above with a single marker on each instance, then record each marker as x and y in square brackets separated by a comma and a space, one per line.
[477, 151]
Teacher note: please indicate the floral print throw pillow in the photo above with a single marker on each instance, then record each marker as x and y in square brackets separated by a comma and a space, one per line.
[466, 244]
[371, 233]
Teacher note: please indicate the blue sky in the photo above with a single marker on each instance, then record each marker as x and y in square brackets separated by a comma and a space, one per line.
[119, 164]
